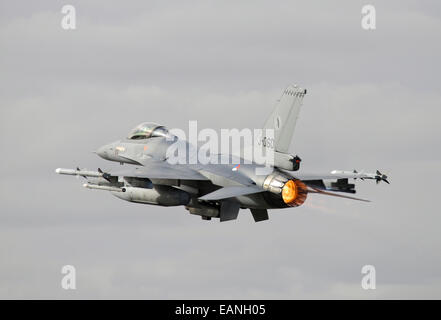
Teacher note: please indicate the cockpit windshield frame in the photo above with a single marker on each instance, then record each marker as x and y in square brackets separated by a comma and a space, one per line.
[147, 130]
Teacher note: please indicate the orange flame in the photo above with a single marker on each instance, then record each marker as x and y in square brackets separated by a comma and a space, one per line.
[294, 193]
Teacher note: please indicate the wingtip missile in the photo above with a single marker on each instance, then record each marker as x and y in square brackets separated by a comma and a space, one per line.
[381, 177]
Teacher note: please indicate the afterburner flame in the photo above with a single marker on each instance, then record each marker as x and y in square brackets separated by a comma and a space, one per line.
[294, 193]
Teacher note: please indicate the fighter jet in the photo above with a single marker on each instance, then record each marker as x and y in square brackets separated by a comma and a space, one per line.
[217, 190]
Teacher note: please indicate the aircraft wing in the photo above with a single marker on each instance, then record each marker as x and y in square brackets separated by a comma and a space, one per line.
[224, 176]
[218, 175]
[154, 169]
[151, 170]
[159, 170]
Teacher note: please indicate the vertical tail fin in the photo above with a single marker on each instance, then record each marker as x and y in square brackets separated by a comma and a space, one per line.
[284, 116]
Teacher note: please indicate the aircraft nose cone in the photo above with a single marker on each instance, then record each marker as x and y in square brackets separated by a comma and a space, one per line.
[102, 152]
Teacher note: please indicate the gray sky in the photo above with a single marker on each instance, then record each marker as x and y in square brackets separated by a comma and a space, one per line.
[373, 102]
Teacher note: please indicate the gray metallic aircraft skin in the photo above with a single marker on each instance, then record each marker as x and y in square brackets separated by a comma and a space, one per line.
[216, 190]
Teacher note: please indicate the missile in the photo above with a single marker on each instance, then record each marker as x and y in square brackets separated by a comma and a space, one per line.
[106, 188]
[83, 173]
[377, 176]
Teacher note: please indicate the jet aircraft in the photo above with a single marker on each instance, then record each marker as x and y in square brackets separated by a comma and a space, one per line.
[217, 190]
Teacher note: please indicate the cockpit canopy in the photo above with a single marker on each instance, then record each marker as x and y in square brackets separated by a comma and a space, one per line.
[148, 130]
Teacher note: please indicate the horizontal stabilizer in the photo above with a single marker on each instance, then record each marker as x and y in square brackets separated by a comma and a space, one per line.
[231, 192]
[315, 190]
